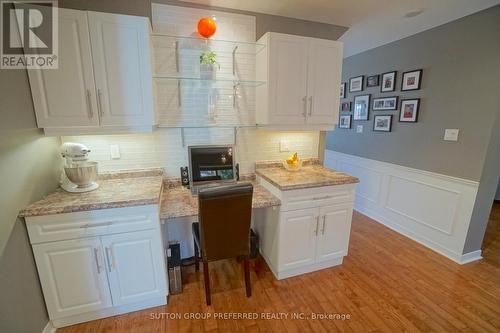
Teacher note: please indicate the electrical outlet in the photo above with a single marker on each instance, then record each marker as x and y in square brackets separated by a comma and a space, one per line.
[451, 134]
[284, 146]
[359, 129]
[115, 151]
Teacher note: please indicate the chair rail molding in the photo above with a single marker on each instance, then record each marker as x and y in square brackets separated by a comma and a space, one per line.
[430, 208]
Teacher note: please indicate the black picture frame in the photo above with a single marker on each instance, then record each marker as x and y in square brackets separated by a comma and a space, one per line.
[393, 87]
[389, 129]
[355, 111]
[419, 83]
[348, 116]
[342, 104]
[342, 90]
[395, 107]
[360, 77]
[372, 81]
[416, 111]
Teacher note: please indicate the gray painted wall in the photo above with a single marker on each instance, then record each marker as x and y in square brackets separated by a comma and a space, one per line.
[30, 167]
[275, 23]
[460, 87]
[127, 7]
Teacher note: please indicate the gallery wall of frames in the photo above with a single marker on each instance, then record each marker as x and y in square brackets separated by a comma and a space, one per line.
[357, 104]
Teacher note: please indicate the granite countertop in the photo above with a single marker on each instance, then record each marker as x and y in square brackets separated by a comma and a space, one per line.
[312, 174]
[114, 191]
[178, 201]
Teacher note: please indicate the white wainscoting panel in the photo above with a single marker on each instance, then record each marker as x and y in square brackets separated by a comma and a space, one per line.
[430, 208]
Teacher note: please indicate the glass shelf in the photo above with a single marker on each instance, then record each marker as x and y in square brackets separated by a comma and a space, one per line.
[212, 44]
[222, 81]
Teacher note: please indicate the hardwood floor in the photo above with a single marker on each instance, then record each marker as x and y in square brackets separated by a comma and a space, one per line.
[387, 283]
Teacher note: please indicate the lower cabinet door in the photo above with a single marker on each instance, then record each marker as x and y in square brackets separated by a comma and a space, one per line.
[334, 231]
[298, 238]
[135, 266]
[72, 276]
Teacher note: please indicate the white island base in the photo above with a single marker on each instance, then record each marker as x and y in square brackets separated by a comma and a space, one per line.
[308, 232]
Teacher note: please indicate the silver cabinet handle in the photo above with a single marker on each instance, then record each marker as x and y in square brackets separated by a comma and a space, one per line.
[310, 105]
[108, 257]
[317, 226]
[177, 56]
[321, 198]
[99, 102]
[96, 256]
[323, 227]
[89, 105]
[304, 99]
[103, 224]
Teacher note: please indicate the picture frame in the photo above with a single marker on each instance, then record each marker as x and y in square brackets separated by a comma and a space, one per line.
[345, 121]
[361, 107]
[408, 112]
[372, 81]
[385, 103]
[356, 83]
[345, 107]
[342, 90]
[411, 80]
[382, 123]
[388, 81]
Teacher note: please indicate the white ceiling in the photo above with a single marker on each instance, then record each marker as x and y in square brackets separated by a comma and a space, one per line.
[371, 22]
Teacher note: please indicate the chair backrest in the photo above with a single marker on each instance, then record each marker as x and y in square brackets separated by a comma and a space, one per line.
[225, 214]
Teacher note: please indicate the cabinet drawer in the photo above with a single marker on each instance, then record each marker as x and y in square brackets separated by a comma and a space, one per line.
[91, 223]
[316, 197]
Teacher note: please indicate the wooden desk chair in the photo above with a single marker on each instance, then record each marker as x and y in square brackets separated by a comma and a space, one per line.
[223, 231]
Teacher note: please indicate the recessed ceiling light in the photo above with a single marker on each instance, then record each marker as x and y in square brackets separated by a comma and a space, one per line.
[413, 13]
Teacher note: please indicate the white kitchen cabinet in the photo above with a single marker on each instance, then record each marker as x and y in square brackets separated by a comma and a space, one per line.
[104, 81]
[65, 97]
[135, 266]
[303, 79]
[297, 238]
[309, 232]
[96, 264]
[73, 276]
[333, 231]
[122, 68]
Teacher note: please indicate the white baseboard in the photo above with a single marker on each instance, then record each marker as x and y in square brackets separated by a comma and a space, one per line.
[49, 328]
[470, 257]
[430, 208]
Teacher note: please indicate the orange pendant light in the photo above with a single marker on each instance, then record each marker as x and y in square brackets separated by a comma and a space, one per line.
[207, 27]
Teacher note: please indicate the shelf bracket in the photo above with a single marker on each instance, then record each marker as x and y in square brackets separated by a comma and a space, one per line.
[234, 60]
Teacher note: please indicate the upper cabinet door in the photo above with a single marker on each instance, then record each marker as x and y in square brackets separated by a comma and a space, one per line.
[73, 276]
[135, 266]
[122, 67]
[287, 79]
[65, 97]
[324, 74]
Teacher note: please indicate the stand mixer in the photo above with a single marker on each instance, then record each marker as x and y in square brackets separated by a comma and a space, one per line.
[79, 174]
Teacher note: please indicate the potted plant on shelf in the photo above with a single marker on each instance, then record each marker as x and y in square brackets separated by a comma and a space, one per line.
[208, 65]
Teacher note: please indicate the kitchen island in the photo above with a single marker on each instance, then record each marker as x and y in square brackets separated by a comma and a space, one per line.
[310, 230]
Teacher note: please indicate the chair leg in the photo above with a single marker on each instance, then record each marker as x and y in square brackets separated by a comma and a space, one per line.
[196, 257]
[247, 276]
[207, 283]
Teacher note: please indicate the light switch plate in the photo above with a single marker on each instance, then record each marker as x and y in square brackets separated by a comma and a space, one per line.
[359, 128]
[451, 134]
[284, 146]
[115, 151]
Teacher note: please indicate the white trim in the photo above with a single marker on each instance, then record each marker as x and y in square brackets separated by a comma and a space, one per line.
[112, 311]
[408, 169]
[434, 210]
[49, 328]
[470, 257]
